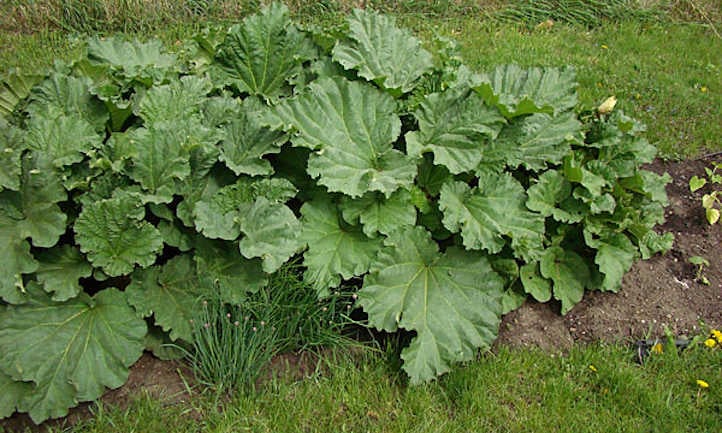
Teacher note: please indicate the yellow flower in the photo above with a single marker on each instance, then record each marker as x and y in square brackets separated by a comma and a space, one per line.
[604, 47]
[718, 335]
[608, 105]
[658, 348]
[593, 368]
[710, 343]
[702, 384]
[703, 89]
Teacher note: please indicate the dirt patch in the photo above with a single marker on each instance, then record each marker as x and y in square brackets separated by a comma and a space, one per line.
[656, 294]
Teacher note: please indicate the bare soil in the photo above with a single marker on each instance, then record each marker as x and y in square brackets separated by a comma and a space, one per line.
[657, 294]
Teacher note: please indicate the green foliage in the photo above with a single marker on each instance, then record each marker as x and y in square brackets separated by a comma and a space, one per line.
[365, 160]
[711, 202]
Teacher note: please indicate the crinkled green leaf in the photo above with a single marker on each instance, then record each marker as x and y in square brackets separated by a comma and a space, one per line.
[454, 125]
[161, 346]
[215, 222]
[11, 149]
[551, 196]
[452, 301]
[615, 256]
[517, 91]
[271, 232]
[335, 250]
[570, 275]
[263, 52]
[651, 243]
[60, 271]
[168, 293]
[486, 214]
[174, 102]
[382, 52]
[72, 351]
[576, 172]
[16, 261]
[221, 265]
[115, 237]
[432, 177]
[160, 158]
[649, 184]
[63, 139]
[12, 394]
[132, 58]
[220, 215]
[534, 284]
[351, 126]
[33, 209]
[378, 214]
[539, 140]
[175, 235]
[15, 86]
[246, 141]
[70, 96]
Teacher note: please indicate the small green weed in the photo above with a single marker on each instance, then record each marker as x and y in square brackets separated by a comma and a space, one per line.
[710, 201]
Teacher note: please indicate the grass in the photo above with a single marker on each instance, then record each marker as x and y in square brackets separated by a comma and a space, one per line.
[597, 388]
[666, 73]
[233, 345]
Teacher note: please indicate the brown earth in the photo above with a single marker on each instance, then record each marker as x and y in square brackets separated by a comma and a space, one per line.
[657, 294]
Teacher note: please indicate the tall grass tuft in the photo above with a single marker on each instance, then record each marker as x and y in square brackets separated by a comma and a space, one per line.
[230, 346]
[233, 344]
[585, 13]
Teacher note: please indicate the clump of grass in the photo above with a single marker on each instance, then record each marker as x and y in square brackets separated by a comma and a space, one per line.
[585, 13]
[233, 344]
[230, 346]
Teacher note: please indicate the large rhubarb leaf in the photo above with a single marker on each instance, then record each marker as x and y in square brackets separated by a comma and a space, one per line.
[487, 213]
[15, 86]
[382, 52]
[174, 102]
[454, 126]
[16, 261]
[539, 140]
[335, 250]
[12, 394]
[131, 59]
[11, 149]
[518, 91]
[71, 351]
[351, 126]
[379, 214]
[221, 265]
[220, 215]
[451, 300]
[63, 139]
[615, 256]
[60, 271]
[570, 275]
[263, 52]
[169, 293]
[271, 232]
[551, 195]
[161, 157]
[33, 209]
[114, 235]
[246, 141]
[71, 97]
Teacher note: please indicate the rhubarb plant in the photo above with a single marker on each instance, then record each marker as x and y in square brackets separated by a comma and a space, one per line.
[136, 181]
